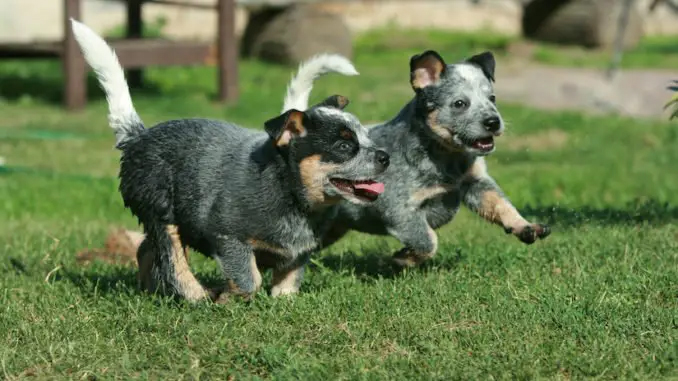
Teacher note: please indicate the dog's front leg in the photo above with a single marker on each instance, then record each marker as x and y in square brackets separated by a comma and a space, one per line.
[239, 267]
[419, 239]
[482, 195]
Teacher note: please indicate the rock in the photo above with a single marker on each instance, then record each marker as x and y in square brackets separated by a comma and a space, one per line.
[588, 23]
[294, 34]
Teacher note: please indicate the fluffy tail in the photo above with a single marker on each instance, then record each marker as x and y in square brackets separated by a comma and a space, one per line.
[299, 88]
[122, 117]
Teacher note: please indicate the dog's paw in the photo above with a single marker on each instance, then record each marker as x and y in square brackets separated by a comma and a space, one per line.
[225, 297]
[407, 257]
[529, 234]
[283, 291]
[222, 298]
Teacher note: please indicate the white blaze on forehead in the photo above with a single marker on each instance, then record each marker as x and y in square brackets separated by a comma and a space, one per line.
[333, 112]
[351, 122]
[363, 139]
[474, 77]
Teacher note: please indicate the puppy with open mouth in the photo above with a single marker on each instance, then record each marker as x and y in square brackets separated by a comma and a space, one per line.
[437, 143]
[249, 199]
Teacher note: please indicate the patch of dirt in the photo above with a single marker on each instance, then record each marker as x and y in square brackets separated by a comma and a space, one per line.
[120, 248]
[541, 141]
[635, 93]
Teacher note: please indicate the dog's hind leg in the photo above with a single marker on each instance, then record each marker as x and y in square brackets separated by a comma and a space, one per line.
[419, 239]
[163, 265]
[485, 197]
[239, 267]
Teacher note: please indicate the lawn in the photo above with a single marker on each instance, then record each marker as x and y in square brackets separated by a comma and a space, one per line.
[597, 299]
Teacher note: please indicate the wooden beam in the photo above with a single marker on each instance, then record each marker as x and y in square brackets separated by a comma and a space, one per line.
[132, 53]
[31, 50]
[151, 52]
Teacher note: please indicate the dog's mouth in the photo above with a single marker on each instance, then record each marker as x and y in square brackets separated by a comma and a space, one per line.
[364, 190]
[483, 145]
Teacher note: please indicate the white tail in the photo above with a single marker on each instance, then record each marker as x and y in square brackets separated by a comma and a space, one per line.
[122, 117]
[299, 88]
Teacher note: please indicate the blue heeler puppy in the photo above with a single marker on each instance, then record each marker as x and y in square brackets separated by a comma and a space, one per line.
[437, 143]
[241, 196]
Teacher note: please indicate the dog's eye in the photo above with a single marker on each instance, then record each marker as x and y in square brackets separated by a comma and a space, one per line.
[345, 146]
[493, 99]
[459, 104]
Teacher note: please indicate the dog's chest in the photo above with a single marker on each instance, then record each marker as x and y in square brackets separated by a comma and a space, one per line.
[437, 186]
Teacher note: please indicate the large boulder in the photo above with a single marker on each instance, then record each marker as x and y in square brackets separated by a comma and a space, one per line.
[589, 23]
[294, 34]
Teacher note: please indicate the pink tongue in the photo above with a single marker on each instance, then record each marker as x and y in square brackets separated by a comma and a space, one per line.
[372, 187]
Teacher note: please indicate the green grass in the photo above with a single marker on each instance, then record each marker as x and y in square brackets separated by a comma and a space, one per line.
[597, 299]
[653, 52]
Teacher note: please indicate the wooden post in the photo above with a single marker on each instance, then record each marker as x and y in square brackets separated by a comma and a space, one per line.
[134, 30]
[227, 51]
[75, 74]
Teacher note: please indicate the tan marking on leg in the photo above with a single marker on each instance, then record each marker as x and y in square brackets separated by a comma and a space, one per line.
[188, 285]
[256, 275]
[494, 207]
[313, 177]
[285, 282]
[422, 195]
[434, 239]
[261, 245]
[499, 210]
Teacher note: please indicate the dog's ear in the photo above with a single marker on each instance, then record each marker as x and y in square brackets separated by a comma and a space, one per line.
[336, 101]
[285, 127]
[426, 69]
[486, 62]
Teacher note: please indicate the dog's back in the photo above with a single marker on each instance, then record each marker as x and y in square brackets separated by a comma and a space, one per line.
[178, 155]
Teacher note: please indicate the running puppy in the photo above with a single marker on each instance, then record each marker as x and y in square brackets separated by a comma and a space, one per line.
[235, 194]
[437, 143]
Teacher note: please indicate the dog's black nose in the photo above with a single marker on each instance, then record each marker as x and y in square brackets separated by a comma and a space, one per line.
[492, 124]
[382, 158]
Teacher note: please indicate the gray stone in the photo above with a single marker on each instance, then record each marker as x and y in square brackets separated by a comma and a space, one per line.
[588, 23]
[294, 34]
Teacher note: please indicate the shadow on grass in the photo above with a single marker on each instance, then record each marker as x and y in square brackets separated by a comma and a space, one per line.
[650, 212]
[43, 80]
[373, 264]
[116, 280]
[377, 263]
